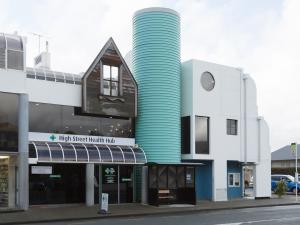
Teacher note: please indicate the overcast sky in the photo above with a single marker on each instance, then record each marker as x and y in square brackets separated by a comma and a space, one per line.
[260, 36]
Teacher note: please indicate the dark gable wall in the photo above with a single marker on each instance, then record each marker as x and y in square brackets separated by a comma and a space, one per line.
[94, 101]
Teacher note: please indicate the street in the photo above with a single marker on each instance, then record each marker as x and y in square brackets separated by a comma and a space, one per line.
[282, 215]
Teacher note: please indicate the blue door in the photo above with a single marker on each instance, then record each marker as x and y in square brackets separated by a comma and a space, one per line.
[204, 181]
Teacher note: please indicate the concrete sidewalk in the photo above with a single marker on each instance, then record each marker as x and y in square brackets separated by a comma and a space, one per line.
[81, 212]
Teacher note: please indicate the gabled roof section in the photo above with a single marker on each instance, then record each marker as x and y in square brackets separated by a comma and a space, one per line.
[110, 44]
[285, 153]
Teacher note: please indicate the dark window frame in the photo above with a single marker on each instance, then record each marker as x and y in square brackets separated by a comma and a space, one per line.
[186, 135]
[232, 127]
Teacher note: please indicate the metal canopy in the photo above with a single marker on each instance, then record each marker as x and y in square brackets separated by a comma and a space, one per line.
[85, 153]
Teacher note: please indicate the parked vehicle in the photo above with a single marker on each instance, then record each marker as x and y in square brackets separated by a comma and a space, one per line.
[288, 179]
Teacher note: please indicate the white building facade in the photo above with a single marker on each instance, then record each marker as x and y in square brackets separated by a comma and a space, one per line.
[220, 110]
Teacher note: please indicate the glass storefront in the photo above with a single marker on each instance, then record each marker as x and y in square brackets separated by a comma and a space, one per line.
[65, 183]
[56, 183]
[68, 120]
[117, 182]
[171, 184]
[8, 122]
[3, 182]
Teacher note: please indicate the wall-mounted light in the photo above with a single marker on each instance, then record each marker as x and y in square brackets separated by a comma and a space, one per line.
[4, 157]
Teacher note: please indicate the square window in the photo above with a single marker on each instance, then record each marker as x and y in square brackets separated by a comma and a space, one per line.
[232, 126]
[234, 179]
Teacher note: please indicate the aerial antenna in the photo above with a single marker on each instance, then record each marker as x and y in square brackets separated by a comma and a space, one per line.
[40, 36]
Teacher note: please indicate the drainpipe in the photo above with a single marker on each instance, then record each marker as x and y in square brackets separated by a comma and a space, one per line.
[241, 115]
[245, 77]
[259, 120]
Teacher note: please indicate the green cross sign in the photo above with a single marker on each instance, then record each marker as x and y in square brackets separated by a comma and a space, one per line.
[52, 137]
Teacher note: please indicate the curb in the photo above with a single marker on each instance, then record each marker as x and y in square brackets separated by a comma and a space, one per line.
[178, 211]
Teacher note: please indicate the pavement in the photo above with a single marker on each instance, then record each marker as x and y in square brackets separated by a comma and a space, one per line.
[54, 213]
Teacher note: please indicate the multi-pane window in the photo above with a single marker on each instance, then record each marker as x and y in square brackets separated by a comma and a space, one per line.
[11, 52]
[232, 126]
[110, 80]
[234, 179]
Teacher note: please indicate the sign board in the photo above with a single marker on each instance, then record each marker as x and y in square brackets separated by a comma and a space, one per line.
[294, 147]
[82, 139]
[41, 170]
[104, 203]
[110, 174]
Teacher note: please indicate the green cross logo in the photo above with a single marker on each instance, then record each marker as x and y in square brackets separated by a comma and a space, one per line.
[52, 137]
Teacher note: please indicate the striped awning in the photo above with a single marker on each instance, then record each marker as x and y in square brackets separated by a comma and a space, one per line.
[85, 153]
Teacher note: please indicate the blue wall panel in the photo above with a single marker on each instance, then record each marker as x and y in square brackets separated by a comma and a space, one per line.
[204, 181]
[235, 192]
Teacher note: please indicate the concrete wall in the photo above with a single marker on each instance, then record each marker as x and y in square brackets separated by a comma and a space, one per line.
[262, 171]
[43, 91]
[233, 97]
[53, 92]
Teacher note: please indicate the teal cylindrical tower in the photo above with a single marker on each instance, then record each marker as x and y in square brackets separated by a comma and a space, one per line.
[156, 67]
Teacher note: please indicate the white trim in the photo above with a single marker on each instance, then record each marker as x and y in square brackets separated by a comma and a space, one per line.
[133, 154]
[74, 151]
[5, 67]
[62, 150]
[36, 152]
[80, 139]
[156, 9]
[122, 153]
[100, 158]
[144, 154]
[234, 180]
[49, 151]
[87, 152]
[112, 158]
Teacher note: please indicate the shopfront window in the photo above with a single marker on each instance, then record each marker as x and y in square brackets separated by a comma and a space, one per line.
[56, 184]
[67, 120]
[8, 122]
[3, 182]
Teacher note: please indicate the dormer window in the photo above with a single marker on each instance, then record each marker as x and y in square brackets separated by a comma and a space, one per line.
[108, 87]
[111, 80]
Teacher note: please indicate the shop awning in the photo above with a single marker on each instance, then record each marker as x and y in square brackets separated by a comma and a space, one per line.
[85, 153]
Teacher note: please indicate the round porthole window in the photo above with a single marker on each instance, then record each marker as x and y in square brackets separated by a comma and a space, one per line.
[207, 81]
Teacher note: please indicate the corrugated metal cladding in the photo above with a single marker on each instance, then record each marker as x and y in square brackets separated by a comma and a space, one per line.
[156, 67]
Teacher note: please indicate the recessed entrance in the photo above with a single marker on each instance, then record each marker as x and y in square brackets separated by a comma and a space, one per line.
[56, 183]
[117, 181]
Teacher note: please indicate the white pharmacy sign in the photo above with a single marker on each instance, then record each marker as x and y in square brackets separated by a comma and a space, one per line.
[104, 203]
[82, 139]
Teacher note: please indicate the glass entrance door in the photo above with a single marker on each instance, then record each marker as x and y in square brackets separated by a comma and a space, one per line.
[4, 182]
[117, 181]
[110, 182]
[126, 184]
